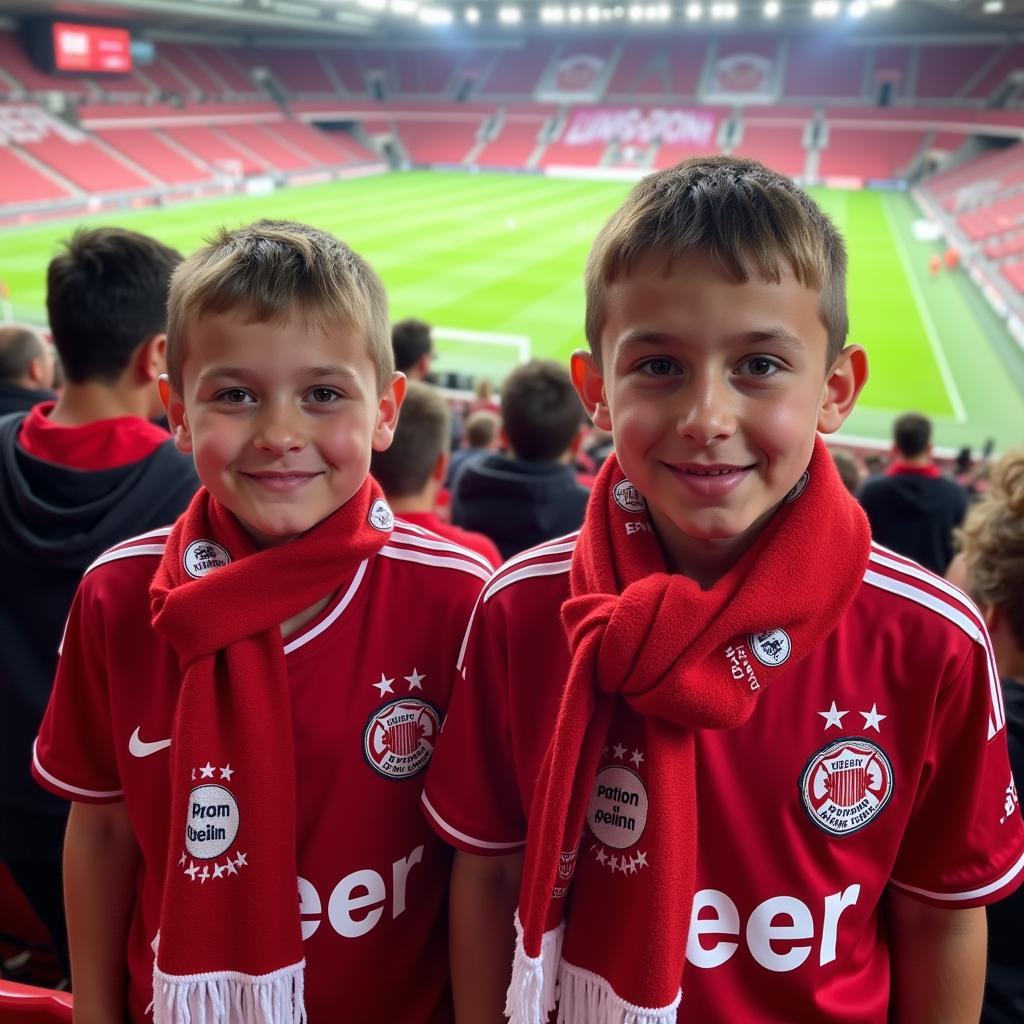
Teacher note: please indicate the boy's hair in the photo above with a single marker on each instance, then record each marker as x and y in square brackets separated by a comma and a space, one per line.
[421, 436]
[18, 347]
[912, 433]
[540, 410]
[270, 270]
[747, 219]
[992, 542]
[410, 340]
[106, 294]
[482, 428]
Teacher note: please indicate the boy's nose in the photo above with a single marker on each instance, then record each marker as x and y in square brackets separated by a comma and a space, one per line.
[707, 414]
[280, 430]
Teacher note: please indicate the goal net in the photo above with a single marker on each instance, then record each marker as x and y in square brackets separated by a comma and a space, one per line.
[464, 357]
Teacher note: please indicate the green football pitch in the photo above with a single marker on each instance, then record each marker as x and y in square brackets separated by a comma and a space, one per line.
[501, 257]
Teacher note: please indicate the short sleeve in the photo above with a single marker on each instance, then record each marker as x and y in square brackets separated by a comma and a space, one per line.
[471, 796]
[74, 754]
[964, 844]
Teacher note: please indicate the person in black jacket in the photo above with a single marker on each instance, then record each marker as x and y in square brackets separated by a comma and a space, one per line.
[77, 475]
[913, 508]
[530, 494]
[26, 369]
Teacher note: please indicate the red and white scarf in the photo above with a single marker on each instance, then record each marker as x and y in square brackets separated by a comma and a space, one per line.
[648, 643]
[230, 946]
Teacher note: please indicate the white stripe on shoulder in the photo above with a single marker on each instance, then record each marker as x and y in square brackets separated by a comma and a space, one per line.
[461, 563]
[135, 551]
[973, 894]
[328, 620]
[461, 836]
[526, 572]
[433, 542]
[162, 531]
[67, 787]
[557, 546]
[960, 611]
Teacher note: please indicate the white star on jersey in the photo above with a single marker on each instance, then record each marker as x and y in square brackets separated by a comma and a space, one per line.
[619, 751]
[384, 685]
[206, 772]
[415, 681]
[226, 773]
[636, 757]
[872, 719]
[833, 717]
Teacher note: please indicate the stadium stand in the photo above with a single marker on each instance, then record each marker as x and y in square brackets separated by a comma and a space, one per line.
[685, 59]
[996, 72]
[157, 154]
[822, 71]
[22, 74]
[944, 71]
[517, 72]
[633, 71]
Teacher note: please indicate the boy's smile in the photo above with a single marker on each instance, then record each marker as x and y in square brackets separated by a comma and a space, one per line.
[714, 391]
[281, 418]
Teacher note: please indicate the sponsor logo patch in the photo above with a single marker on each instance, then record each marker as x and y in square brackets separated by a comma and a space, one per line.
[381, 517]
[212, 822]
[628, 498]
[203, 556]
[846, 785]
[399, 738]
[617, 814]
[772, 647]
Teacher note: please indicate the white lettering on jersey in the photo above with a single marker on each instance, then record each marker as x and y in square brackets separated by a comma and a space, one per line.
[783, 919]
[355, 905]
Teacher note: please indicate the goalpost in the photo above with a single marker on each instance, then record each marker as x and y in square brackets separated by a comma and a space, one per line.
[464, 357]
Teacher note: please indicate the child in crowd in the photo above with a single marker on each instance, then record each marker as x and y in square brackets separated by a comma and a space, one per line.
[729, 732]
[257, 640]
[412, 470]
[530, 494]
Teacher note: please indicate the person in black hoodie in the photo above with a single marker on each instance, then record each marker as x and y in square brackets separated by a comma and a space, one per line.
[530, 494]
[77, 475]
[913, 508]
[26, 369]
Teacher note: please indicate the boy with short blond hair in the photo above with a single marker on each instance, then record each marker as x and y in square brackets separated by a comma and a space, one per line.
[724, 727]
[253, 640]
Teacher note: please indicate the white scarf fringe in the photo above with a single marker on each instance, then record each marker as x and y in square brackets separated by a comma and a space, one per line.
[531, 994]
[586, 998]
[230, 997]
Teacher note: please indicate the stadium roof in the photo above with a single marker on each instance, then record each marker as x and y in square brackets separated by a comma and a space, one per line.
[490, 22]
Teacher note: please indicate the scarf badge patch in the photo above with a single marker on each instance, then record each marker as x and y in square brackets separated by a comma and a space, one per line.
[618, 811]
[211, 826]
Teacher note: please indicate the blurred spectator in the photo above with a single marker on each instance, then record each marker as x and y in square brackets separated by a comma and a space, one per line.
[483, 400]
[413, 346]
[78, 475]
[482, 435]
[26, 369]
[413, 469]
[874, 466]
[848, 467]
[599, 446]
[914, 509]
[991, 565]
[530, 494]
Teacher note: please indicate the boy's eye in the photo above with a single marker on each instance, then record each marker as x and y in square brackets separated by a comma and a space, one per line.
[658, 367]
[323, 396]
[761, 366]
[235, 396]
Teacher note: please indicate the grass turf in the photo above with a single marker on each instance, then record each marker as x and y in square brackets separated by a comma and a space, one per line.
[505, 254]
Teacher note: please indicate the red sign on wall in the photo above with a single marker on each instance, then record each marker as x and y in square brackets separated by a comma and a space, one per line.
[91, 48]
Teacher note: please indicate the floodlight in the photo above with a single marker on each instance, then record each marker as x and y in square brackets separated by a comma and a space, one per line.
[858, 8]
[694, 12]
[472, 15]
[510, 15]
[772, 8]
[436, 15]
[405, 6]
[636, 13]
[619, 12]
[724, 11]
[992, 6]
[825, 8]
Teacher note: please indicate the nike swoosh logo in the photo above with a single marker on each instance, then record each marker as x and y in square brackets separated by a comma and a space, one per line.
[139, 748]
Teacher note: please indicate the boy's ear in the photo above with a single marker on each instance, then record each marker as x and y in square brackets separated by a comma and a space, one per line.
[845, 380]
[589, 385]
[174, 406]
[387, 412]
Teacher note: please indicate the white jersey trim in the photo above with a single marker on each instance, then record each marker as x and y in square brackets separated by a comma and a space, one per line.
[973, 894]
[528, 571]
[461, 836]
[435, 542]
[335, 612]
[558, 546]
[66, 786]
[462, 563]
[966, 616]
[134, 551]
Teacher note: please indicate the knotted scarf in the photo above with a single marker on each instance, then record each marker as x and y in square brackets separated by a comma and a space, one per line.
[229, 946]
[652, 644]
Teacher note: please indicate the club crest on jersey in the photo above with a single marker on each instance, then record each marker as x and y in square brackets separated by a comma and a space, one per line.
[381, 517]
[799, 487]
[399, 738]
[772, 647]
[203, 556]
[846, 785]
[628, 498]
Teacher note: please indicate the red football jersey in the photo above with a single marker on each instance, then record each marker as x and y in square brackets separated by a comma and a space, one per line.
[372, 891]
[879, 760]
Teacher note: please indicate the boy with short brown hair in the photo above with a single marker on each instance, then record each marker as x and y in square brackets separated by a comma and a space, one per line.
[254, 640]
[719, 717]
